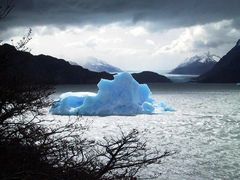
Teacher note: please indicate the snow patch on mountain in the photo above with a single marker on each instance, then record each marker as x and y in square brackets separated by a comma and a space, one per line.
[196, 65]
[97, 65]
[207, 58]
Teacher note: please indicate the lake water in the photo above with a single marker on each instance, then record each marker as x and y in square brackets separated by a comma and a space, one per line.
[204, 129]
[181, 78]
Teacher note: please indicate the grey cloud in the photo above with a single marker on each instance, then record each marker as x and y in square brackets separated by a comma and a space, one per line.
[236, 23]
[199, 44]
[162, 13]
[219, 38]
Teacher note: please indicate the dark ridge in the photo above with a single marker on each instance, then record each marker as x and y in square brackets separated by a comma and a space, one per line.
[227, 70]
[44, 69]
[150, 77]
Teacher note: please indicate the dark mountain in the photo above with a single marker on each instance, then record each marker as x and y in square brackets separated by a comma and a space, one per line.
[47, 69]
[149, 77]
[195, 65]
[227, 70]
[44, 69]
[98, 65]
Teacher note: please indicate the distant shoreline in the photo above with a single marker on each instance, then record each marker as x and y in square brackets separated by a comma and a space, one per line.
[180, 78]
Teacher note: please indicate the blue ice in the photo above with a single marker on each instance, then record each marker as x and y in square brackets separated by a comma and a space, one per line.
[121, 96]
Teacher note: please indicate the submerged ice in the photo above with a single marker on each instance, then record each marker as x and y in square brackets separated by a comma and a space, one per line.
[121, 96]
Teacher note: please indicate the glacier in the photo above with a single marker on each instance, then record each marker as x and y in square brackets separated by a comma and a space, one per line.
[121, 96]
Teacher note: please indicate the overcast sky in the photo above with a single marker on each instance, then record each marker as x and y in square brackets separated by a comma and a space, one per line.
[131, 34]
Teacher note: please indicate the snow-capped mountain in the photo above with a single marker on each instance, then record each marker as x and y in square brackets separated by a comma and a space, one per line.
[196, 65]
[97, 65]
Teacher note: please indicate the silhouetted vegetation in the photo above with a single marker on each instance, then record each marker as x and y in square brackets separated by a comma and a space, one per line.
[21, 44]
[32, 148]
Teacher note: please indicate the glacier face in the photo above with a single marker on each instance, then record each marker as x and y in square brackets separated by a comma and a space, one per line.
[121, 96]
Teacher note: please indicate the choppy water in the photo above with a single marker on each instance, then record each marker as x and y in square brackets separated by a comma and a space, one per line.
[205, 129]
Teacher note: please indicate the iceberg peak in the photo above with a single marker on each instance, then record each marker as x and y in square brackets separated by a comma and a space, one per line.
[121, 96]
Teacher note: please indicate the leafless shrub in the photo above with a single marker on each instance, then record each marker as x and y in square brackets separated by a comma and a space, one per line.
[22, 43]
[17, 99]
[122, 157]
[42, 151]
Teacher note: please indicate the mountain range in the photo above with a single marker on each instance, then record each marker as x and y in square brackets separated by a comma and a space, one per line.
[44, 69]
[47, 69]
[195, 65]
[50, 70]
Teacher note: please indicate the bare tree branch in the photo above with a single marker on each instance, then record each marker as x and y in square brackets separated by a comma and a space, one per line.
[21, 44]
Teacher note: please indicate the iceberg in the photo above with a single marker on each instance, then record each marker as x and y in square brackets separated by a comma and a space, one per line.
[121, 96]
